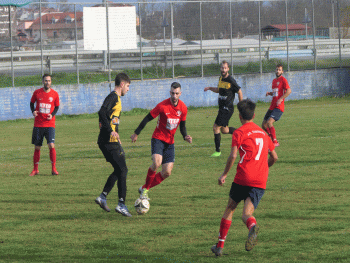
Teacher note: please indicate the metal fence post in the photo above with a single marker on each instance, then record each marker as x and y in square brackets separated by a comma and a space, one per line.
[41, 40]
[172, 37]
[288, 67]
[339, 35]
[76, 43]
[260, 59]
[140, 27]
[313, 33]
[11, 47]
[201, 38]
[108, 51]
[231, 36]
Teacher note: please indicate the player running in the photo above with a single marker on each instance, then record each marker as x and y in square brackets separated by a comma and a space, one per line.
[226, 88]
[280, 91]
[249, 183]
[110, 144]
[47, 104]
[171, 113]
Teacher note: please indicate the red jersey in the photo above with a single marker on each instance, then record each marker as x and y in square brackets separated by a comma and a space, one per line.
[45, 104]
[169, 118]
[279, 87]
[253, 144]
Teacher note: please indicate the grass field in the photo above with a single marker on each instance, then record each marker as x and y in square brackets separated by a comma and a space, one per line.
[303, 216]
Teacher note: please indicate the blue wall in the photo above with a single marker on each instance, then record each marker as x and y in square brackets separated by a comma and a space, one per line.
[87, 98]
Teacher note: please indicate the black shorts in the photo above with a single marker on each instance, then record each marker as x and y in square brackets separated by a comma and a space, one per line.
[164, 149]
[223, 117]
[239, 193]
[275, 114]
[40, 132]
[114, 154]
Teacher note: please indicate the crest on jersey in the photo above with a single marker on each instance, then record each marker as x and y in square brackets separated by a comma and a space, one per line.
[178, 113]
[115, 120]
[50, 99]
[278, 83]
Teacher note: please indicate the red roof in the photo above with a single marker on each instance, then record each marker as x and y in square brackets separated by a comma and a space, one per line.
[61, 23]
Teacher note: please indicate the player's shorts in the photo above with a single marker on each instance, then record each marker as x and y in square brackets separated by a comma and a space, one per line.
[239, 193]
[114, 154]
[164, 149]
[40, 132]
[223, 117]
[275, 114]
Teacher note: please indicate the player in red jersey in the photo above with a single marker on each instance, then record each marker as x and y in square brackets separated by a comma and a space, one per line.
[171, 113]
[47, 104]
[280, 91]
[249, 184]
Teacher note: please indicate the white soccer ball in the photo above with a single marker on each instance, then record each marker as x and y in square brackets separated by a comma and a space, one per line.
[141, 206]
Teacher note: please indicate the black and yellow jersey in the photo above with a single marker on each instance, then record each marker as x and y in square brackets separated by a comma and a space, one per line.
[109, 115]
[227, 89]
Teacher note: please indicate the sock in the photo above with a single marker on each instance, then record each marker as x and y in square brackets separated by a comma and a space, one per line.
[231, 130]
[217, 140]
[149, 179]
[36, 159]
[121, 200]
[273, 133]
[53, 158]
[224, 227]
[251, 221]
[157, 180]
[268, 130]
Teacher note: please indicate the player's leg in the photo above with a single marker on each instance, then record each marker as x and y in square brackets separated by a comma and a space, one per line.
[50, 137]
[37, 140]
[276, 114]
[250, 204]
[227, 130]
[225, 225]
[217, 139]
[264, 123]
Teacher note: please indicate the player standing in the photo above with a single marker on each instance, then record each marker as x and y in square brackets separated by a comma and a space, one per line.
[249, 183]
[226, 88]
[47, 104]
[280, 91]
[171, 113]
[110, 144]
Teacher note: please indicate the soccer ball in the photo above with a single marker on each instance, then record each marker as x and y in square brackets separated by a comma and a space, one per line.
[141, 206]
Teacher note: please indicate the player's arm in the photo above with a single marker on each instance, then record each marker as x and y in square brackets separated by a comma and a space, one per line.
[285, 95]
[272, 158]
[240, 95]
[213, 89]
[32, 108]
[107, 105]
[50, 116]
[183, 131]
[142, 125]
[230, 161]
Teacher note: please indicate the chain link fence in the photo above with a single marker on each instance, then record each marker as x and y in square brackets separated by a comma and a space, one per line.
[178, 38]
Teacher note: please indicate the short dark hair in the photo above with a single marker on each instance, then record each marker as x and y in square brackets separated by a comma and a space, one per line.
[225, 62]
[46, 75]
[246, 109]
[279, 65]
[175, 85]
[120, 78]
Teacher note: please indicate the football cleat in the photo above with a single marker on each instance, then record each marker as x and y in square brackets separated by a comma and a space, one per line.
[102, 202]
[122, 209]
[216, 250]
[144, 193]
[54, 172]
[34, 172]
[252, 239]
[216, 154]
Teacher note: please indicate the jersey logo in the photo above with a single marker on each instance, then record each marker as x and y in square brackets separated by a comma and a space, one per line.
[172, 124]
[178, 113]
[50, 99]
[115, 120]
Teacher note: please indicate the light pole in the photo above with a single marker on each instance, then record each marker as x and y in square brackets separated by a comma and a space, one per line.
[306, 21]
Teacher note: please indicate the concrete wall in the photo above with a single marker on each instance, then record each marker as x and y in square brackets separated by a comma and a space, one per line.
[87, 98]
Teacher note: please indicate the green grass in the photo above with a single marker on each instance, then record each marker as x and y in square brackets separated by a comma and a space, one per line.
[304, 214]
[157, 72]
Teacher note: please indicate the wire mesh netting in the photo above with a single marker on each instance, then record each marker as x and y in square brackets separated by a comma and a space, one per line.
[176, 38]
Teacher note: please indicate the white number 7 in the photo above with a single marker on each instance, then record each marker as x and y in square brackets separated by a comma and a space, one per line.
[260, 142]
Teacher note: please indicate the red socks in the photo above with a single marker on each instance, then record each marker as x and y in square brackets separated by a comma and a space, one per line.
[149, 179]
[273, 133]
[53, 158]
[224, 227]
[36, 159]
[157, 180]
[251, 221]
